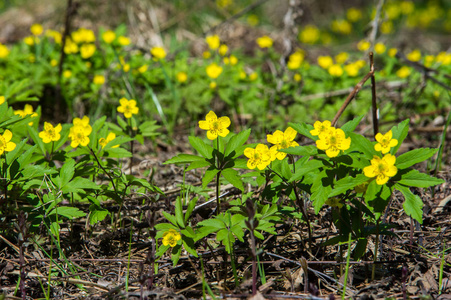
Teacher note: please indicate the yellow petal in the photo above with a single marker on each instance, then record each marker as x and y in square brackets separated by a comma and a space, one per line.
[379, 137]
[211, 116]
[10, 146]
[7, 135]
[225, 121]
[290, 134]
[389, 159]
[381, 179]
[212, 134]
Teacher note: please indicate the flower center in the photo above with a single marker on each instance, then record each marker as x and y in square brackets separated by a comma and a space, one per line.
[2, 142]
[381, 168]
[284, 144]
[215, 125]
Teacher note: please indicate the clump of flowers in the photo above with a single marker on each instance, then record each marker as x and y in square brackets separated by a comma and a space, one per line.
[109, 36]
[215, 126]
[158, 53]
[264, 42]
[128, 107]
[5, 142]
[385, 142]
[260, 157]
[50, 133]
[171, 237]
[282, 140]
[381, 168]
[213, 70]
[213, 41]
[28, 110]
[295, 60]
[331, 140]
[79, 133]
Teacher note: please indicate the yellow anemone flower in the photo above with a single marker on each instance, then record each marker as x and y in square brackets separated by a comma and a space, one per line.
[108, 36]
[213, 70]
[215, 126]
[381, 168]
[5, 142]
[171, 237]
[282, 140]
[79, 135]
[321, 127]
[333, 142]
[104, 141]
[158, 53]
[50, 133]
[28, 110]
[264, 42]
[128, 107]
[213, 41]
[260, 157]
[385, 142]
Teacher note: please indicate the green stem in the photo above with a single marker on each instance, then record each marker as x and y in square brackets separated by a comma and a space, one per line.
[218, 176]
[373, 273]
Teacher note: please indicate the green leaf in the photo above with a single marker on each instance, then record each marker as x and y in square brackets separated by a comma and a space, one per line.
[413, 206]
[97, 214]
[237, 141]
[67, 172]
[37, 140]
[198, 164]
[310, 166]
[418, 179]
[169, 217]
[413, 157]
[362, 144]
[321, 189]
[68, 212]
[347, 183]
[233, 177]
[79, 184]
[350, 126]
[184, 159]
[209, 176]
[303, 129]
[301, 150]
[189, 209]
[17, 152]
[203, 149]
[179, 212]
[400, 133]
[188, 243]
[117, 153]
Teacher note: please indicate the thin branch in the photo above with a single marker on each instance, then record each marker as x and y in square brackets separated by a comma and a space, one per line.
[373, 97]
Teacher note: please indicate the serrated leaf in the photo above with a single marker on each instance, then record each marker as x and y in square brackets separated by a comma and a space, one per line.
[413, 157]
[400, 133]
[362, 144]
[310, 166]
[67, 172]
[350, 126]
[237, 141]
[321, 189]
[413, 205]
[232, 176]
[347, 183]
[418, 179]
[198, 164]
[203, 149]
[169, 217]
[68, 212]
[97, 214]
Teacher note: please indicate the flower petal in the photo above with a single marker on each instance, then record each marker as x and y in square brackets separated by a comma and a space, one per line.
[290, 134]
[7, 135]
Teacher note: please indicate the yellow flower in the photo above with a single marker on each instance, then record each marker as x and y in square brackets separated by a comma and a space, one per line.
[104, 141]
[84, 123]
[70, 47]
[67, 74]
[158, 53]
[213, 85]
[123, 40]
[340, 58]
[407, 7]
[341, 26]
[295, 60]
[252, 20]
[253, 76]
[264, 42]
[4, 51]
[30, 40]
[99, 79]
[213, 41]
[333, 141]
[387, 27]
[206, 54]
[363, 45]
[5, 142]
[87, 50]
[414, 55]
[385, 142]
[142, 69]
[28, 110]
[53, 62]
[36, 29]
[213, 70]
[2, 100]
[309, 35]
[353, 14]
[297, 77]
[392, 52]
[334, 202]
[108, 36]
[83, 35]
[282, 140]
[215, 126]
[352, 69]
[50, 133]
[325, 61]
[182, 77]
[171, 237]
[335, 70]
[381, 168]
[128, 107]
[223, 50]
[260, 157]
[55, 35]
[79, 136]
[379, 48]
[233, 60]
[403, 72]
[321, 128]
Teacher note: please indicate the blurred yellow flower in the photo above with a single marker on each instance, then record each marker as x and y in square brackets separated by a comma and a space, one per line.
[213, 70]
[392, 52]
[158, 53]
[70, 47]
[264, 42]
[341, 26]
[213, 41]
[104, 141]
[340, 58]
[353, 14]
[335, 70]
[213, 85]
[50, 133]
[309, 35]
[363, 45]
[352, 69]
[109, 36]
[5, 142]
[123, 40]
[55, 35]
[297, 77]
[99, 79]
[295, 60]
[325, 62]
[2, 100]
[222, 50]
[414, 55]
[282, 140]
[379, 48]
[253, 76]
[403, 72]
[87, 50]
[253, 20]
[171, 237]
[444, 58]
[28, 110]
[385, 142]
[127, 107]
[142, 69]
[260, 157]
[30, 40]
[206, 54]
[387, 27]
[381, 168]
[182, 77]
[233, 60]
[215, 126]
[4, 51]
[83, 35]
[67, 74]
[407, 7]
[53, 62]
[36, 29]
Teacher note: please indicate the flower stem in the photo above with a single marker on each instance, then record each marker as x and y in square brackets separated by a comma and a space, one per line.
[218, 175]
